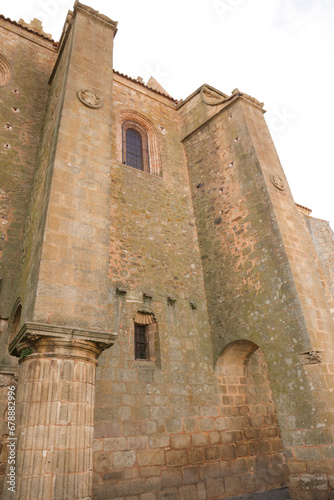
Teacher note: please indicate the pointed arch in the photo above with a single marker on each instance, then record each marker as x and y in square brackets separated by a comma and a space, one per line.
[135, 151]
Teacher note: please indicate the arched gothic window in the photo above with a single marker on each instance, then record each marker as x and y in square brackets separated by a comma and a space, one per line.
[135, 146]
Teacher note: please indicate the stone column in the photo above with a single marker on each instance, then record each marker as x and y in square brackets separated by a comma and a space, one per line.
[55, 411]
[8, 380]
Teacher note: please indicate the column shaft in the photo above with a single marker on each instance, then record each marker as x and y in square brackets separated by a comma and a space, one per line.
[56, 415]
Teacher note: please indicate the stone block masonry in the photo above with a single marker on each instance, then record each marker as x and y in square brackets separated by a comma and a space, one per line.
[242, 204]
[24, 92]
[182, 251]
[8, 379]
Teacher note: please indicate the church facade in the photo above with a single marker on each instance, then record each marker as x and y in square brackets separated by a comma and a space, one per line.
[166, 312]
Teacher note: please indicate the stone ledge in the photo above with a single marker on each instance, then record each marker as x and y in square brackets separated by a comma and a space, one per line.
[9, 370]
[280, 494]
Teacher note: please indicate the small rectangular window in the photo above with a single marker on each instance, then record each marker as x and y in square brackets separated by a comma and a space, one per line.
[141, 342]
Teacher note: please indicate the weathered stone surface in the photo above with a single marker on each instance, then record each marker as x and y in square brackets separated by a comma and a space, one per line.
[150, 457]
[206, 241]
[55, 409]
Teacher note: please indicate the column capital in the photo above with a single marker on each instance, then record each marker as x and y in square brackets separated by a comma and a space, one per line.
[53, 340]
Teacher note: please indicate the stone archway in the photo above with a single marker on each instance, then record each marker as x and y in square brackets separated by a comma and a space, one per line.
[253, 449]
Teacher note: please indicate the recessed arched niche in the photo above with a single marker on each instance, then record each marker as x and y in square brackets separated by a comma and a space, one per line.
[253, 446]
[5, 71]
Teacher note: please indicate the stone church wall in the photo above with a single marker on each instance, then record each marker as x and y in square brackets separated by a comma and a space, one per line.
[322, 245]
[22, 108]
[168, 428]
[204, 246]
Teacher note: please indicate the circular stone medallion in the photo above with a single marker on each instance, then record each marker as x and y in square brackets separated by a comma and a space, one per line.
[277, 181]
[89, 98]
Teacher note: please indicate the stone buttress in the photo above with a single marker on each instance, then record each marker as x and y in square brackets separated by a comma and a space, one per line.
[64, 264]
[262, 285]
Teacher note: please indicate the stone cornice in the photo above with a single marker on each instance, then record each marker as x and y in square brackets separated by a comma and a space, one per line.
[32, 332]
[225, 104]
[212, 117]
[198, 91]
[248, 97]
[88, 11]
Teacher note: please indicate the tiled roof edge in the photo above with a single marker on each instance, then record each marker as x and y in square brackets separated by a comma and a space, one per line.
[146, 86]
[28, 29]
[309, 210]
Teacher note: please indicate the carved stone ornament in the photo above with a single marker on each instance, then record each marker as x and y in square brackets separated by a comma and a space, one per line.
[31, 337]
[144, 316]
[311, 357]
[278, 182]
[89, 98]
[211, 96]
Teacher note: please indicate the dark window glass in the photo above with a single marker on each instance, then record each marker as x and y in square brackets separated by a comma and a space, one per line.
[134, 154]
[141, 342]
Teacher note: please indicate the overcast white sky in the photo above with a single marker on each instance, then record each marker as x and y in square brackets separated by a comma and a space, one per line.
[279, 51]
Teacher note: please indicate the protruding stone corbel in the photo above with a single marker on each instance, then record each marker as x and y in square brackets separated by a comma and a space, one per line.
[171, 300]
